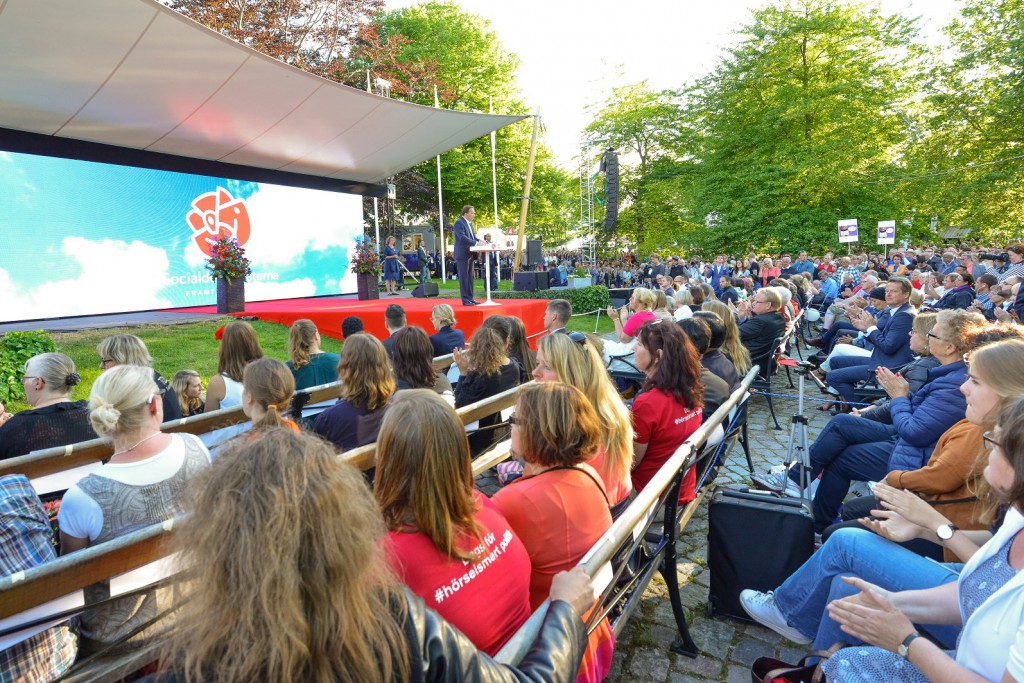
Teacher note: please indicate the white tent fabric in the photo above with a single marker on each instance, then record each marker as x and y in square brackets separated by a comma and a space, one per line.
[133, 73]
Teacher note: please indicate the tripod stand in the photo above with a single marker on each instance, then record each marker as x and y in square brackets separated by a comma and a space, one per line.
[798, 453]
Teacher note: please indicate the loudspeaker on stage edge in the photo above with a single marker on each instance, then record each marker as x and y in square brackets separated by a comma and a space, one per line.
[427, 289]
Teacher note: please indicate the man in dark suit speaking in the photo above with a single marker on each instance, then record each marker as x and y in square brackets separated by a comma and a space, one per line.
[464, 239]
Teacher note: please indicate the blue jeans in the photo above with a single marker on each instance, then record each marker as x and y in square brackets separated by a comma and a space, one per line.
[848, 449]
[856, 552]
[847, 371]
[841, 328]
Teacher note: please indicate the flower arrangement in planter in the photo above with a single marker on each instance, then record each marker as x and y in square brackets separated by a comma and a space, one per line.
[227, 260]
[366, 260]
[367, 264]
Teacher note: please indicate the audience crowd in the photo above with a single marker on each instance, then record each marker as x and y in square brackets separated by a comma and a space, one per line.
[300, 570]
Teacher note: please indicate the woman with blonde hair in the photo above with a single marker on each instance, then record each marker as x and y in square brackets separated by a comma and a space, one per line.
[446, 337]
[684, 305]
[286, 580]
[188, 387]
[662, 308]
[54, 419]
[572, 359]
[239, 345]
[310, 365]
[642, 302]
[485, 371]
[733, 347]
[440, 527]
[127, 349]
[139, 485]
[267, 388]
[367, 385]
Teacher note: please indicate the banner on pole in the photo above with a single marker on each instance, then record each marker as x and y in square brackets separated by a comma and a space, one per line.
[848, 230]
[886, 232]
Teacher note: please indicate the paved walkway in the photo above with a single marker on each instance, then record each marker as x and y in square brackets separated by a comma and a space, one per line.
[727, 647]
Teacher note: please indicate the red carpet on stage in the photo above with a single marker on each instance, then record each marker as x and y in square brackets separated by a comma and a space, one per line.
[328, 312]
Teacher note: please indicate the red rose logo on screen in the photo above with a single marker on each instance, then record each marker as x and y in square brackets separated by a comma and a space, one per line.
[218, 214]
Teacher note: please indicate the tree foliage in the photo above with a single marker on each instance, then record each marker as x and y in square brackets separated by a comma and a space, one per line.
[967, 168]
[825, 110]
[799, 121]
[472, 72]
[313, 35]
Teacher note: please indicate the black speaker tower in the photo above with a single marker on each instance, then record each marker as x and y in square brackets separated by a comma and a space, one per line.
[610, 166]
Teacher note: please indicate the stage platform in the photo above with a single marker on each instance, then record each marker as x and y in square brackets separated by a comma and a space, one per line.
[328, 312]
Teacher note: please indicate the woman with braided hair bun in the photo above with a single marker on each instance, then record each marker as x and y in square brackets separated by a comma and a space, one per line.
[54, 420]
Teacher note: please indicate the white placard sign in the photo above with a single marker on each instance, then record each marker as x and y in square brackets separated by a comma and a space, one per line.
[848, 230]
[886, 232]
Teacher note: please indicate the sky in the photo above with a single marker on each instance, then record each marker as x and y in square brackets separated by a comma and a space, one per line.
[573, 53]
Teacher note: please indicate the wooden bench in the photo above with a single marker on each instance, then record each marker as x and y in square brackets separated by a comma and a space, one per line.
[38, 589]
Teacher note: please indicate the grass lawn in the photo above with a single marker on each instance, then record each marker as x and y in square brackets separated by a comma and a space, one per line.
[185, 346]
[191, 346]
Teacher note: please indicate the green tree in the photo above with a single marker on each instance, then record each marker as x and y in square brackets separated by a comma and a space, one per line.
[966, 165]
[644, 127]
[471, 71]
[799, 123]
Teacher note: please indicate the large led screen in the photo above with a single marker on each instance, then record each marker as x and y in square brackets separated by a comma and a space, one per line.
[80, 238]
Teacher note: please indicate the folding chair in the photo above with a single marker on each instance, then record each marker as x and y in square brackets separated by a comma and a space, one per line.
[767, 366]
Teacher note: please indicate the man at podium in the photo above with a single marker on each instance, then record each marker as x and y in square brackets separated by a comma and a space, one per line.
[464, 239]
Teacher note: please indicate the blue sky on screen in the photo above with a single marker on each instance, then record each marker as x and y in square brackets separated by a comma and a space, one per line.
[84, 237]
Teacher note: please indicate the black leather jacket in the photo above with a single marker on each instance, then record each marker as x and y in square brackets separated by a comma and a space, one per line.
[439, 652]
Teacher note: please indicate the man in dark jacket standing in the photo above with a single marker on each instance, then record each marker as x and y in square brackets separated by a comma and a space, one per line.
[464, 239]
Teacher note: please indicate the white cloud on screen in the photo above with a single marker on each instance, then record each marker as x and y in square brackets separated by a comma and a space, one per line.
[286, 221]
[115, 276]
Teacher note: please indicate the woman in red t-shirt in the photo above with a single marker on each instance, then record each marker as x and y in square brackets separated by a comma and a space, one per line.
[559, 507]
[446, 541]
[572, 359]
[668, 409]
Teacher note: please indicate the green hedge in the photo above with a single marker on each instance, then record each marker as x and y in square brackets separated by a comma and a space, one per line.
[15, 349]
[583, 300]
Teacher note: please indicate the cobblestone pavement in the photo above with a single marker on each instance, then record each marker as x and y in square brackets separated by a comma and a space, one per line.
[727, 647]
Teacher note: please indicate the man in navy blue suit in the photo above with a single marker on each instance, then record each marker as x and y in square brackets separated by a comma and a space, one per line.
[464, 239]
[889, 336]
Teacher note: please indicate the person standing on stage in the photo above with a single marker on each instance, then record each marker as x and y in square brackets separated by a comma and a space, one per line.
[464, 239]
[424, 261]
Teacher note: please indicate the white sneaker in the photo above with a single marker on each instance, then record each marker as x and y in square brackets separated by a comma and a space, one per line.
[762, 608]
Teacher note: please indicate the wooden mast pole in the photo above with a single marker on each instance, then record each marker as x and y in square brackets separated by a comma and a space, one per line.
[525, 206]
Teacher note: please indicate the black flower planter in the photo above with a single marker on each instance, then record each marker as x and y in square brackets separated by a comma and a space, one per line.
[230, 295]
[367, 286]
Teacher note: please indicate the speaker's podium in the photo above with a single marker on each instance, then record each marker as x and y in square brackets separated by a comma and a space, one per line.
[530, 281]
[487, 248]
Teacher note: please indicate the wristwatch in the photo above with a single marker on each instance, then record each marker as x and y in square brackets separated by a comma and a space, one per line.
[904, 649]
[946, 531]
